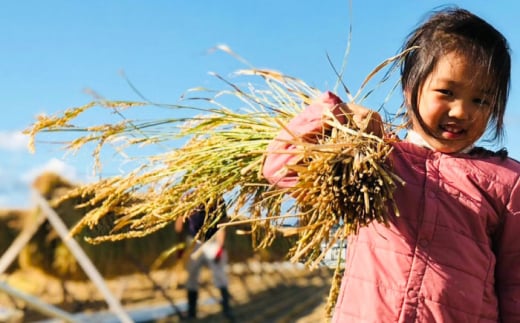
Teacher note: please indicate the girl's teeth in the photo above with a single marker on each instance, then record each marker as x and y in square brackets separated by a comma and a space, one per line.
[452, 129]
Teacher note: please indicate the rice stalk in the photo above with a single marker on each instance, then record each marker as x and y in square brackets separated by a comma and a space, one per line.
[345, 178]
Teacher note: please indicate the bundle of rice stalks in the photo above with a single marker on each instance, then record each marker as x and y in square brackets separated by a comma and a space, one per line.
[345, 178]
[345, 182]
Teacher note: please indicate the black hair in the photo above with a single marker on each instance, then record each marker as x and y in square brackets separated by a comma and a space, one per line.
[452, 29]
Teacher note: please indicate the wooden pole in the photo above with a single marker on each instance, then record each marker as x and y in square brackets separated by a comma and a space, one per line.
[37, 304]
[82, 258]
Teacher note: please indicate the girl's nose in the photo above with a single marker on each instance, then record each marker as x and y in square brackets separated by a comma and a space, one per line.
[460, 109]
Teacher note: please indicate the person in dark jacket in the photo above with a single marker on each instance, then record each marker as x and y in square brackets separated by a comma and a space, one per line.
[206, 243]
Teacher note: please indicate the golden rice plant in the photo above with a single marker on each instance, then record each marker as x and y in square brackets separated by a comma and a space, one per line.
[218, 147]
[345, 180]
[222, 154]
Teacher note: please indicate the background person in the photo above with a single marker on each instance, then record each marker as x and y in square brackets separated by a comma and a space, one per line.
[206, 243]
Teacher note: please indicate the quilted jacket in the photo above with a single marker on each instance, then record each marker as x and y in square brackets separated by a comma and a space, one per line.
[453, 254]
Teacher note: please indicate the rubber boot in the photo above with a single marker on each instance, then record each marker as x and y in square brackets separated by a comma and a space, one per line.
[226, 307]
[192, 303]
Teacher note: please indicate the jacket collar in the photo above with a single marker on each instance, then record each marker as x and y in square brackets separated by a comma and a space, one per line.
[415, 138]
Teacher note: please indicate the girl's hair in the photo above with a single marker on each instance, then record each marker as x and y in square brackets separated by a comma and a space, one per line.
[457, 30]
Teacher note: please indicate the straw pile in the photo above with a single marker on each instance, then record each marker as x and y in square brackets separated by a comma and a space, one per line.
[12, 223]
[47, 252]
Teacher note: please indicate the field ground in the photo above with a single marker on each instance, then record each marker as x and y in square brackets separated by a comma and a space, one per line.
[261, 292]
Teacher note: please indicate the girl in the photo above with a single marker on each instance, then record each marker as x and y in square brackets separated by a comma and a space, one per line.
[453, 254]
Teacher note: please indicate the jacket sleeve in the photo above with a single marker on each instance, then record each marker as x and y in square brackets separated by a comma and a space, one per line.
[307, 125]
[508, 261]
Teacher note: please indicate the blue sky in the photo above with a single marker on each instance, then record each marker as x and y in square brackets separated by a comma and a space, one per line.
[53, 51]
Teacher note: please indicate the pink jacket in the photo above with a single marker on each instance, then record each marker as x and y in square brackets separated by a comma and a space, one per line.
[453, 255]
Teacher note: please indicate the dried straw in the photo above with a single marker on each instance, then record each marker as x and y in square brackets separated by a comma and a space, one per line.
[345, 179]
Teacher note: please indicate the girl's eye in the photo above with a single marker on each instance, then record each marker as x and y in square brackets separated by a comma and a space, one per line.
[445, 92]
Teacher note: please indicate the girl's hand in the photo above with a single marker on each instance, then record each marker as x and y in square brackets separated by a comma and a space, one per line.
[365, 119]
[309, 125]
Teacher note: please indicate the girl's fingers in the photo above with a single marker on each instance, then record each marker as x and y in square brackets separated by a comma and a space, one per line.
[366, 119]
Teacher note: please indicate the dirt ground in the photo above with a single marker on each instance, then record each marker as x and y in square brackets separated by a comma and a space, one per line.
[261, 292]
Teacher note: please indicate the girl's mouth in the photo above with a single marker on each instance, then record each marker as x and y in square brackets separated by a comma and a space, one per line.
[452, 131]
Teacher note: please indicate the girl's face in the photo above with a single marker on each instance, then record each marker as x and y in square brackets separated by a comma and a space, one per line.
[452, 105]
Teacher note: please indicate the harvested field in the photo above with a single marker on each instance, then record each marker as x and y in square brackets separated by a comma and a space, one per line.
[262, 292]
[264, 288]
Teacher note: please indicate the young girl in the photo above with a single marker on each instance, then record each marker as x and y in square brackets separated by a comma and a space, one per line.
[453, 254]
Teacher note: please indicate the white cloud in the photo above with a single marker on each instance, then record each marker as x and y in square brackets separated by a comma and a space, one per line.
[15, 188]
[13, 141]
[54, 165]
